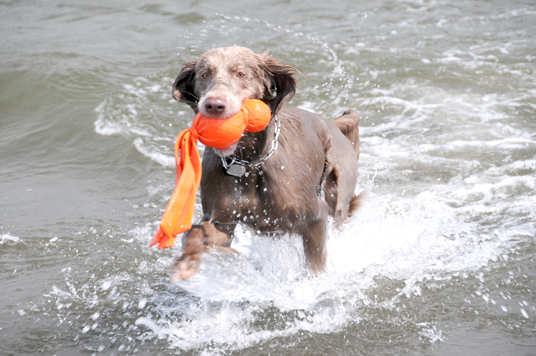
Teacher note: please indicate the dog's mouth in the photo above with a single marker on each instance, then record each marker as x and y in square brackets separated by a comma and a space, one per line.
[223, 115]
[225, 152]
[222, 109]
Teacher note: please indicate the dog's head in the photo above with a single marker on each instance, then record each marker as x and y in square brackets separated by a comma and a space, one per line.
[223, 78]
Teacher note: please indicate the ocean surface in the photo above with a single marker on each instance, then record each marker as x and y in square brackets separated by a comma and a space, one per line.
[440, 260]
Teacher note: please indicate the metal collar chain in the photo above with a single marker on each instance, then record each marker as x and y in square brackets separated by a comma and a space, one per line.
[237, 167]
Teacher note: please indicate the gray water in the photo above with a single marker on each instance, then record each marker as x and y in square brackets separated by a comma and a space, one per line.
[440, 260]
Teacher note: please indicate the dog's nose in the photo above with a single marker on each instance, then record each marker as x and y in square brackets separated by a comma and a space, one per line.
[215, 107]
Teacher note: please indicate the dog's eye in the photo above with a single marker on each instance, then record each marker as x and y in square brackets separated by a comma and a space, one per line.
[240, 75]
[205, 75]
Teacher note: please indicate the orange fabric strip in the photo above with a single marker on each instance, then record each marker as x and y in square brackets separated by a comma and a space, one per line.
[178, 215]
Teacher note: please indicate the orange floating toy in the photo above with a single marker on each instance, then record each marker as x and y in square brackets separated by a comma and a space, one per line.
[254, 116]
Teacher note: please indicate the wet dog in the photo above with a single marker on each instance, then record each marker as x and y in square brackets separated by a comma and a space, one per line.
[289, 177]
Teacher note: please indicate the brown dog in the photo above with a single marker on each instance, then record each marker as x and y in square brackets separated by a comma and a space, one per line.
[290, 176]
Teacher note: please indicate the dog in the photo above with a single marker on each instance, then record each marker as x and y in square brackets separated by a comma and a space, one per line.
[292, 175]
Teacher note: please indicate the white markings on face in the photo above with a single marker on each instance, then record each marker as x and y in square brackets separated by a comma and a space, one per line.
[226, 78]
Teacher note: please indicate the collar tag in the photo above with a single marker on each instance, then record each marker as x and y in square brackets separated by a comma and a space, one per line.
[235, 170]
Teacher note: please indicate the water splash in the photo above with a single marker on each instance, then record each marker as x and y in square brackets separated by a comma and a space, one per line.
[8, 239]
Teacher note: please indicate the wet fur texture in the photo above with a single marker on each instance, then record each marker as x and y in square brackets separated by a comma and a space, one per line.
[311, 175]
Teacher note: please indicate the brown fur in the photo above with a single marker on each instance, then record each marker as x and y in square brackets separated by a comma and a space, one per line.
[311, 175]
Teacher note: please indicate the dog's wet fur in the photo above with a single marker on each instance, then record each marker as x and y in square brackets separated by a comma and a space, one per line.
[312, 174]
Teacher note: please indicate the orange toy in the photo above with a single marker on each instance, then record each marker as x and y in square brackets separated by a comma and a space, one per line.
[254, 116]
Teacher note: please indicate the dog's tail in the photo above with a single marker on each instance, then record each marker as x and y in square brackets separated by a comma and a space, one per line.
[356, 202]
[348, 124]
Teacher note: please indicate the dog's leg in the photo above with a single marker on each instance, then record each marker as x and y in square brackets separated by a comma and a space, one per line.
[314, 239]
[194, 243]
[220, 238]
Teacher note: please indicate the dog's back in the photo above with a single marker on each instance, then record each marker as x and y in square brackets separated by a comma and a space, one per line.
[348, 124]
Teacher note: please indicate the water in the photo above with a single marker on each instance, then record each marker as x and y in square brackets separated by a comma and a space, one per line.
[439, 261]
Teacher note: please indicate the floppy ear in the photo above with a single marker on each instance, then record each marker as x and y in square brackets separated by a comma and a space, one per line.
[280, 84]
[184, 86]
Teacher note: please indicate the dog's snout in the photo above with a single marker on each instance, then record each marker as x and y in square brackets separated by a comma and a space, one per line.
[215, 107]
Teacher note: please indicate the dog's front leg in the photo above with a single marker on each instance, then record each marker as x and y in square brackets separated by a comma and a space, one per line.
[194, 243]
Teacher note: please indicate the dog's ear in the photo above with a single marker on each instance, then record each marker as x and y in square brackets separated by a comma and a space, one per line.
[184, 86]
[280, 84]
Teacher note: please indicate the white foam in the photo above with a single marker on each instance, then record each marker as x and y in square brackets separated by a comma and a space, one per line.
[7, 239]
[163, 159]
[411, 240]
